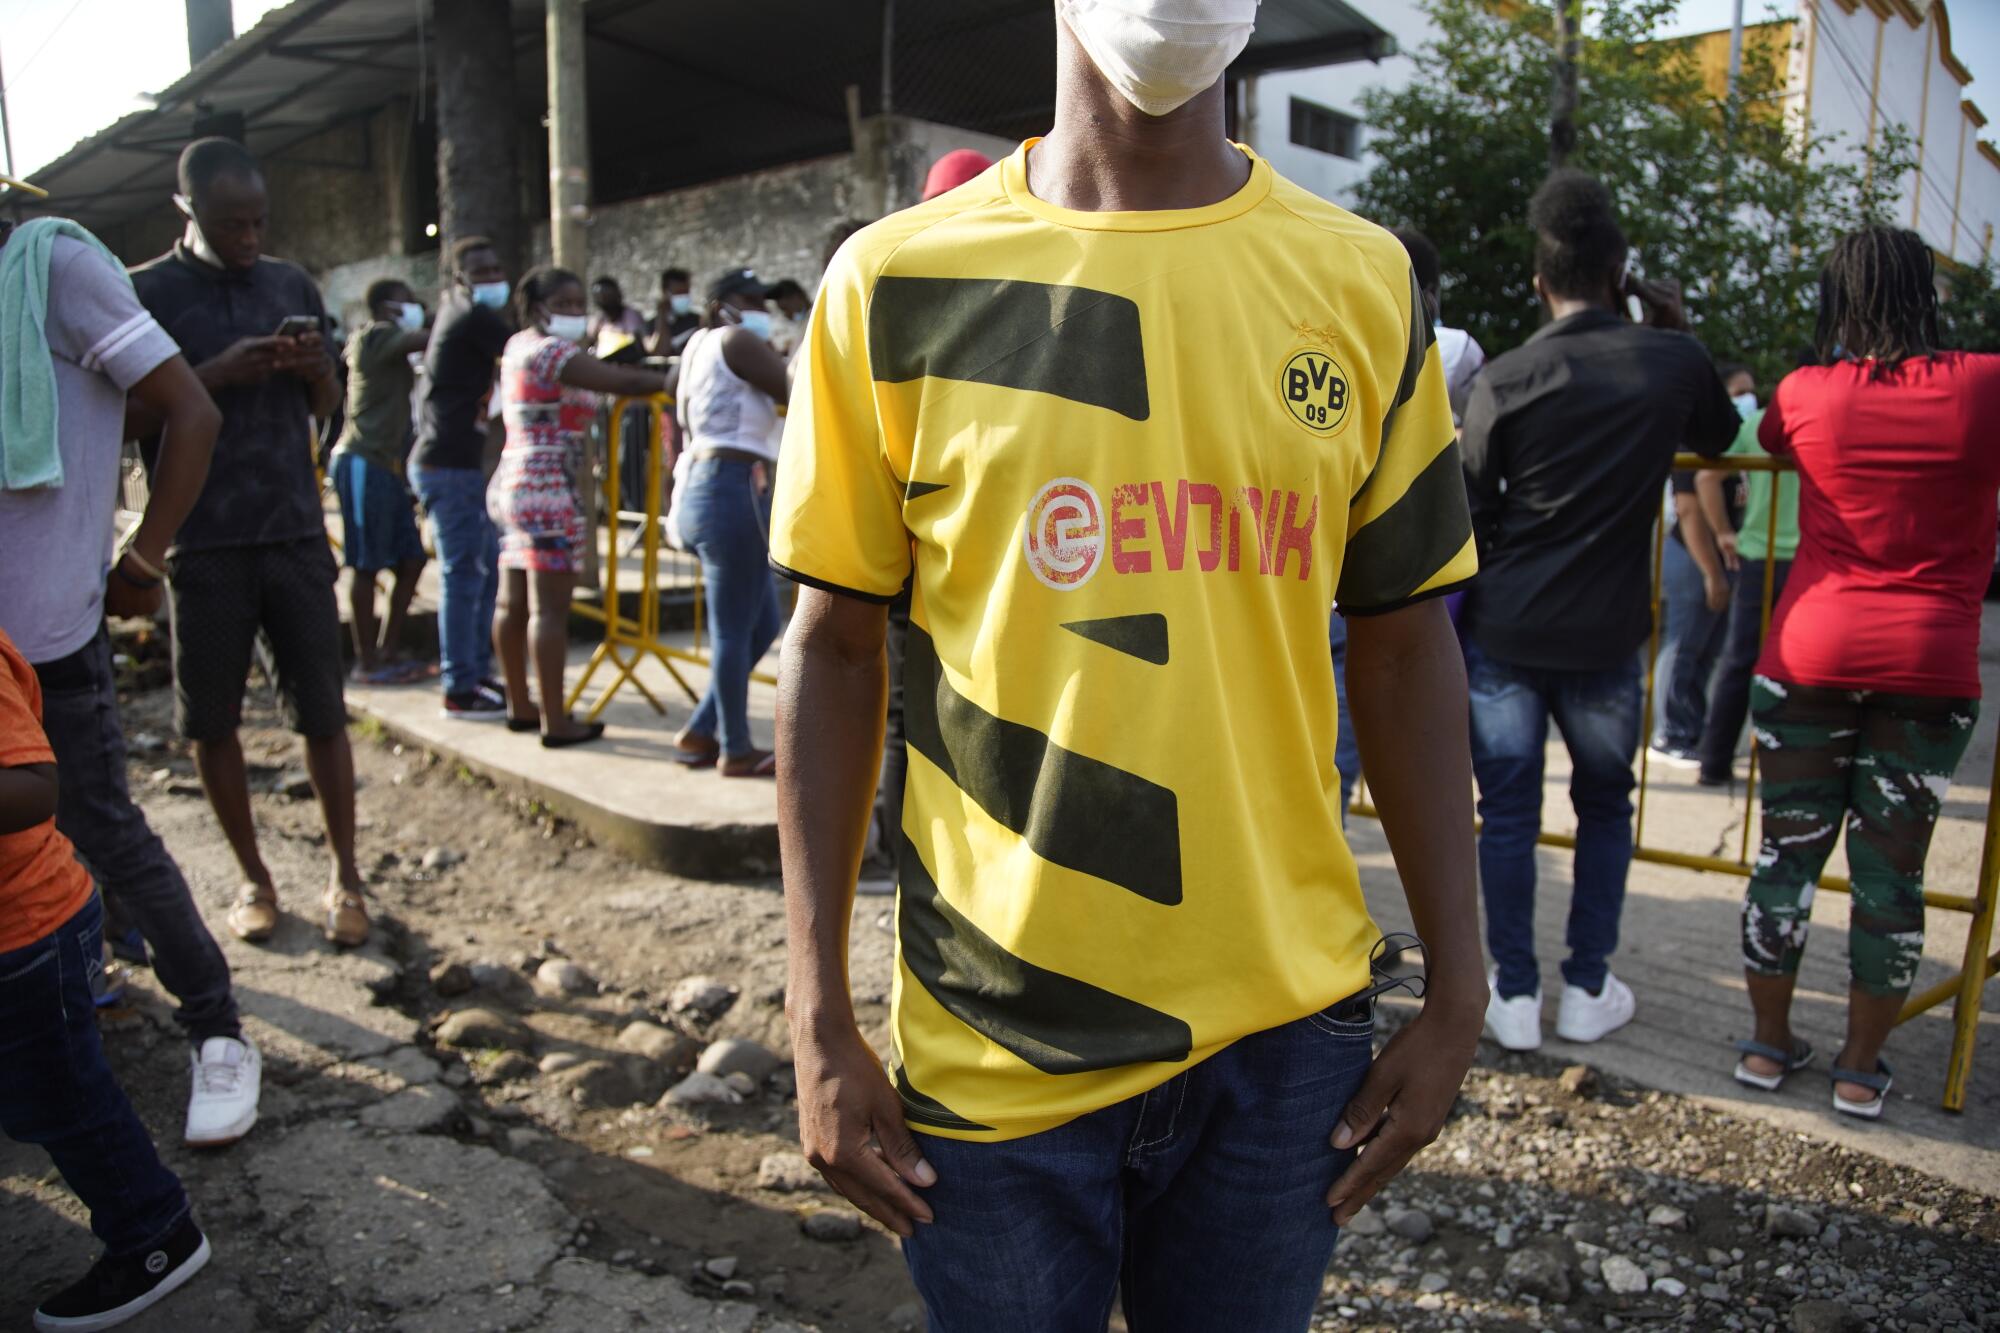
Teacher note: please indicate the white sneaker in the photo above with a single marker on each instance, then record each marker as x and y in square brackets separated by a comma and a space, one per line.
[1587, 1017]
[1516, 1023]
[228, 1076]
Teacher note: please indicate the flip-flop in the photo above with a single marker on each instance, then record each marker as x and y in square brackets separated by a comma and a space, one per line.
[525, 723]
[765, 767]
[1880, 1081]
[584, 737]
[1799, 1057]
[697, 756]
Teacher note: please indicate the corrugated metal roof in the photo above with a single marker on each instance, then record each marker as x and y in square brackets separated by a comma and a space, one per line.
[681, 91]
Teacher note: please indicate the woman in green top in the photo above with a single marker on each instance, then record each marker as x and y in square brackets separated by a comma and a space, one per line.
[1745, 553]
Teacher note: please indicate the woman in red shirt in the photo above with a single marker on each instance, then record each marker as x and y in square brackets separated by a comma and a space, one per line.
[1868, 687]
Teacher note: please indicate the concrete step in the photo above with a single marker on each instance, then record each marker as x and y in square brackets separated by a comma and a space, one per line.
[625, 790]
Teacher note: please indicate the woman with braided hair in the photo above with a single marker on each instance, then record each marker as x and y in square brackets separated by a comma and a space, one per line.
[1868, 686]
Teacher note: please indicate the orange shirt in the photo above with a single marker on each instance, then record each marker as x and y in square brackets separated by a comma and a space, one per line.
[41, 883]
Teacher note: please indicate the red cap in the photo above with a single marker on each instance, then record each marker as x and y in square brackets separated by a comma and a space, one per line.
[953, 170]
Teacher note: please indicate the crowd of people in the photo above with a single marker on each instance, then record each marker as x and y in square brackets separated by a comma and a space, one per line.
[1110, 751]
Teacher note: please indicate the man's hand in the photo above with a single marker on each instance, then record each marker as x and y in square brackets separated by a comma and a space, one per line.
[1715, 590]
[1403, 1103]
[245, 361]
[306, 357]
[121, 598]
[851, 1127]
[1726, 543]
[1662, 301]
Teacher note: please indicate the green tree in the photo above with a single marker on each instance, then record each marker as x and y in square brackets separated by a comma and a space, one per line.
[1724, 195]
[1969, 315]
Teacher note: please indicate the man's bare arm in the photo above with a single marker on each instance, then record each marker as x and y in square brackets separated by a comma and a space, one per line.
[1406, 692]
[832, 692]
[174, 394]
[1715, 508]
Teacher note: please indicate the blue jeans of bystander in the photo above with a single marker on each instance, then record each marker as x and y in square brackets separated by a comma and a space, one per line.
[468, 552]
[1598, 715]
[59, 1092]
[722, 520]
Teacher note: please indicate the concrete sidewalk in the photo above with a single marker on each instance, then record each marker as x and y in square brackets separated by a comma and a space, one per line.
[624, 790]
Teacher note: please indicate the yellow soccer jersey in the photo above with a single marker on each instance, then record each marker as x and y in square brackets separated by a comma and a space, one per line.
[1132, 459]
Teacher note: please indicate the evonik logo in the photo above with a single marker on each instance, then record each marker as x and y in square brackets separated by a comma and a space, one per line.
[1156, 526]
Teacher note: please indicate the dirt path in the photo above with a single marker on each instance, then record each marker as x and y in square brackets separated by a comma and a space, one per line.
[401, 1182]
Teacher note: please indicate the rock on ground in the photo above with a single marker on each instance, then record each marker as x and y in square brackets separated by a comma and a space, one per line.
[1623, 1277]
[422, 1109]
[699, 1089]
[701, 999]
[735, 1056]
[1541, 1273]
[483, 1029]
[832, 1225]
[663, 1046]
[790, 1173]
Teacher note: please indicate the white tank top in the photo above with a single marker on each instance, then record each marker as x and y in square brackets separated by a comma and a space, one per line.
[718, 408]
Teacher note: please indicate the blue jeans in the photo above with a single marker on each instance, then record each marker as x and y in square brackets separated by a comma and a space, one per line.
[1742, 641]
[468, 551]
[1346, 750]
[1690, 639]
[722, 521]
[95, 811]
[1598, 715]
[1203, 1201]
[59, 1092]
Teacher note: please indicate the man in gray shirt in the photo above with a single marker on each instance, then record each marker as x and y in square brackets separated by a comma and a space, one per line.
[100, 343]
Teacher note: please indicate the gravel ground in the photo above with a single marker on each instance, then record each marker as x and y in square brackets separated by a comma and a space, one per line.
[1556, 1198]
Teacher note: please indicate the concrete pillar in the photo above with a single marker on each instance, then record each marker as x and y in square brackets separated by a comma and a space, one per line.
[479, 174]
[211, 25]
[569, 138]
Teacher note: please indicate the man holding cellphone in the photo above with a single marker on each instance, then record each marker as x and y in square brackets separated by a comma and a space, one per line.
[253, 554]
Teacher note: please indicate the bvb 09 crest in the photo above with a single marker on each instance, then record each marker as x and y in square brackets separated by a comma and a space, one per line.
[1315, 390]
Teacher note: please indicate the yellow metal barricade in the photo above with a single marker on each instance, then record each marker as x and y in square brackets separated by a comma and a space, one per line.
[1964, 986]
[629, 641]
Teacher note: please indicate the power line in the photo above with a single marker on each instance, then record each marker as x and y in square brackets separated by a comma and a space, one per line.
[68, 14]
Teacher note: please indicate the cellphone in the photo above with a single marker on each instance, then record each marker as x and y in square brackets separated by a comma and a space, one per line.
[298, 326]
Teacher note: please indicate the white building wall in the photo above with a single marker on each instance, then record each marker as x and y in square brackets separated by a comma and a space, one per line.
[1840, 48]
[1339, 88]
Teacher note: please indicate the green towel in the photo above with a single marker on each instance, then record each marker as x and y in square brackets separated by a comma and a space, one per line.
[30, 455]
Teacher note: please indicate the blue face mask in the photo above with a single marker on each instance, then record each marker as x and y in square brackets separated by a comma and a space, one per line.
[680, 303]
[758, 322]
[492, 295]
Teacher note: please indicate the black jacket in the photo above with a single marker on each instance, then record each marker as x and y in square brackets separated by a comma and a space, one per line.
[1568, 441]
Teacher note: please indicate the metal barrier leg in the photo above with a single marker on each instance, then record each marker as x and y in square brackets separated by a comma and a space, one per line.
[1972, 979]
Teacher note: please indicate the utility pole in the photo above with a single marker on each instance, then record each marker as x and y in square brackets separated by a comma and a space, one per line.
[569, 137]
[1735, 48]
[6, 126]
[1562, 86]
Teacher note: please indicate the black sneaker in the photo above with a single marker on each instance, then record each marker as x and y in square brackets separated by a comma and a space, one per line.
[115, 1290]
[474, 706]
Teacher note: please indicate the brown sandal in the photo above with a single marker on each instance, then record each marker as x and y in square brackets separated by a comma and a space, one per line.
[346, 919]
[755, 764]
[254, 919]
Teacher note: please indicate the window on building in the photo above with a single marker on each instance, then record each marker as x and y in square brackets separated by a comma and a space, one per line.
[1325, 130]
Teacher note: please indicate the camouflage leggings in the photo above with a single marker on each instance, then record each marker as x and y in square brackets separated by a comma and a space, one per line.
[1881, 762]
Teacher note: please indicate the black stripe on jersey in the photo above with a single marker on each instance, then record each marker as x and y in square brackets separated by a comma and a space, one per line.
[917, 490]
[1073, 810]
[1421, 338]
[1073, 342]
[1058, 1024]
[1404, 548]
[925, 1110]
[1141, 636]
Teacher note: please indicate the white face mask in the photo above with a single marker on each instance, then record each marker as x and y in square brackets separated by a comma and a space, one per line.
[680, 303]
[570, 328]
[757, 321]
[1160, 53]
[1746, 403]
[492, 295]
[409, 316]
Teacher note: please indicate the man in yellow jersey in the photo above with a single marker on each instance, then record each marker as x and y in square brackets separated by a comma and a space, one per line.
[1135, 412]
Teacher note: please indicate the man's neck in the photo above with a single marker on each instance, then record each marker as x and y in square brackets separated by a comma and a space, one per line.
[1105, 155]
[1562, 307]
